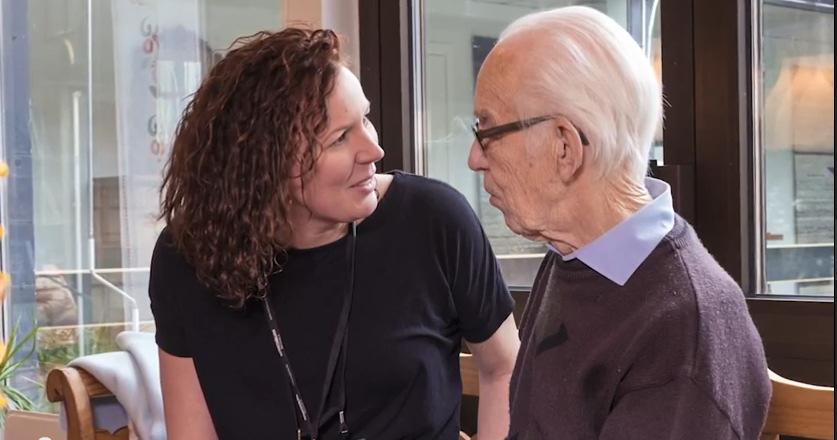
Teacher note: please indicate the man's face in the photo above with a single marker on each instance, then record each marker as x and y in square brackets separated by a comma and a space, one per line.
[517, 166]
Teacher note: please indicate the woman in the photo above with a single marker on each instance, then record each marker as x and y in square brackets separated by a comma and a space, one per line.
[297, 293]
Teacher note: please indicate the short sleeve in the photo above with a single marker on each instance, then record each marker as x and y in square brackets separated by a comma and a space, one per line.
[167, 273]
[480, 295]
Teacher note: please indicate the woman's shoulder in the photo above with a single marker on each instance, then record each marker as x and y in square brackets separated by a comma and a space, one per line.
[166, 260]
[172, 279]
[165, 249]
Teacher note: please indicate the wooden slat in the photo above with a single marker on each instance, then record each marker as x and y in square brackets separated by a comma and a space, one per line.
[470, 375]
[120, 434]
[92, 385]
[799, 409]
[66, 385]
[75, 387]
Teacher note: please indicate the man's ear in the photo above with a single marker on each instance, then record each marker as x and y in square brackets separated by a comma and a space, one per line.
[570, 151]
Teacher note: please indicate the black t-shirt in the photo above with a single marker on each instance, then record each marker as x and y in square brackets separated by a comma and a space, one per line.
[425, 278]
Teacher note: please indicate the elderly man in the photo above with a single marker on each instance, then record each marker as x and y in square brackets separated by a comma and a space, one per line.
[632, 329]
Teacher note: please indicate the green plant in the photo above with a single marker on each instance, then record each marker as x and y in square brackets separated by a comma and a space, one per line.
[10, 397]
[57, 347]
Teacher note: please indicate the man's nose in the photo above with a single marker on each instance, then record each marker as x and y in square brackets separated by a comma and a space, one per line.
[476, 157]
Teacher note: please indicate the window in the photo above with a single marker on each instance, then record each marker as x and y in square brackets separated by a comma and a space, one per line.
[91, 103]
[711, 67]
[796, 81]
[456, 36]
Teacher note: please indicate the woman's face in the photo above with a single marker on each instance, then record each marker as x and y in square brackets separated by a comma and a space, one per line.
[341, 187]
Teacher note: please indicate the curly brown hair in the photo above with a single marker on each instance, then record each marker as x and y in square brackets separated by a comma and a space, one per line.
[225, 195]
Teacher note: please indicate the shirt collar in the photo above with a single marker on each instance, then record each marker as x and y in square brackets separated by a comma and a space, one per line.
[617, 253]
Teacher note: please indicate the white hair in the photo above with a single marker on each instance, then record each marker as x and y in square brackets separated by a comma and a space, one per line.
[590, 70]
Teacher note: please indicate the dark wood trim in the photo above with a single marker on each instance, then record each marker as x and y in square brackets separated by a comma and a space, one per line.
[677, 38]
[723, 146]
[386, 74]
[370, 57]
[798, 337]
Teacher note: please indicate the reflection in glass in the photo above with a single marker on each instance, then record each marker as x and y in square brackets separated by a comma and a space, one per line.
[106, 86]
[797, 80]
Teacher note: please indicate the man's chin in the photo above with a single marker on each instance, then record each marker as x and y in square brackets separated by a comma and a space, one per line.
[533, 236]
[518, 229]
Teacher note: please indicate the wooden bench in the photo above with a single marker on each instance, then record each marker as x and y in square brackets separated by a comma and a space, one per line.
[799, 409]
[75, 387]
[796, 408]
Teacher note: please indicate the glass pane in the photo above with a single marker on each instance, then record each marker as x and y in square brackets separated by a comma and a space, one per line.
[107, 86]
[457, 36]
[797, 80]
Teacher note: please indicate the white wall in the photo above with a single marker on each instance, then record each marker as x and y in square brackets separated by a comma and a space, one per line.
[338, 15]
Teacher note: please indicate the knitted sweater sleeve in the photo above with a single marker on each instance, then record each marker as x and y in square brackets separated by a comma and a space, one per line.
[678, 409]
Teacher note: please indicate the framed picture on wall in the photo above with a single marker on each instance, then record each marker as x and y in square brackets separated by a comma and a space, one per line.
[814, 197]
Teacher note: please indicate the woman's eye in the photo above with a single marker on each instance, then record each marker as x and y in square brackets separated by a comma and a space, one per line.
[341, 139]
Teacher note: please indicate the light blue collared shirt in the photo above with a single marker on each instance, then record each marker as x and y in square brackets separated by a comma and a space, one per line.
[617, 253]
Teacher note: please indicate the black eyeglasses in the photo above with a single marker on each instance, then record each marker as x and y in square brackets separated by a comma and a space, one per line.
[501, 130]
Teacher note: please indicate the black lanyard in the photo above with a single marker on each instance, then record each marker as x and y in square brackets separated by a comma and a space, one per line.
[307, 424]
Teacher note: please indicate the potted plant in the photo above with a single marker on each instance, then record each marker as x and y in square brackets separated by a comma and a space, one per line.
[10, 397]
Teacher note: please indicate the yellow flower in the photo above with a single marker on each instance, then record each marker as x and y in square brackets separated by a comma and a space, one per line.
[4, 169]
[5, 281]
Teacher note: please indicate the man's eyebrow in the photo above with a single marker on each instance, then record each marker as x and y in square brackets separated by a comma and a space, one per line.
[483, 117]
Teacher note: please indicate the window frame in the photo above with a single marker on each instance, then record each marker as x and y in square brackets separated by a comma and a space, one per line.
[708, 60]
[798, 332]
[15, 149]
[386, 74]
[18, 190]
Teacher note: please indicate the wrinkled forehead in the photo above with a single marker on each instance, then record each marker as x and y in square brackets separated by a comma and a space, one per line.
[502, 77]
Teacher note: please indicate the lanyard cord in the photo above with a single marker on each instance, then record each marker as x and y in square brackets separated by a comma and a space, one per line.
[307, 425]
